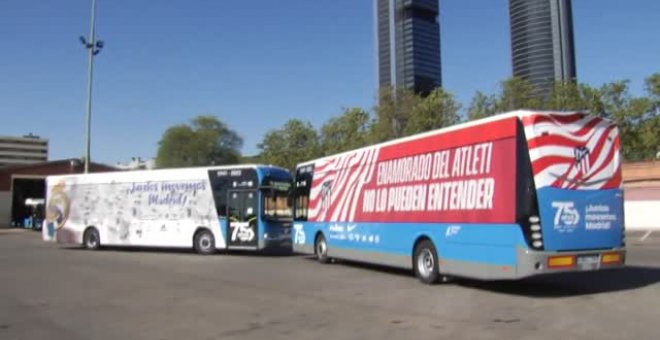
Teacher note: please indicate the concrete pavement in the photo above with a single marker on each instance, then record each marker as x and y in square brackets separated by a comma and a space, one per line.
[51, 292]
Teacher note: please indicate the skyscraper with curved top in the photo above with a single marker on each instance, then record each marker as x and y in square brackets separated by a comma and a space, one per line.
[408, 37]
[542, 42]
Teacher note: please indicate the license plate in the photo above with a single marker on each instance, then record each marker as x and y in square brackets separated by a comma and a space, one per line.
[588, 262]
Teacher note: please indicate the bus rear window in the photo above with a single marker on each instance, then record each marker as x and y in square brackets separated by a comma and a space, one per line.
[277, 204]
[301, 192]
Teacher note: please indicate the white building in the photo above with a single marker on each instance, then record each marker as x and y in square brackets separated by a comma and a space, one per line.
[23, 150]
[137, 163]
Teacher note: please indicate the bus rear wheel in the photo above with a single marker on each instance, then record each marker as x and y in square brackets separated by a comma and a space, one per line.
[91, 239]
[204, 242]
[425, 263]
[321, 249]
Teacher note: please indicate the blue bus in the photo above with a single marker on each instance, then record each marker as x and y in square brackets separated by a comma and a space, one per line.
[515, 195]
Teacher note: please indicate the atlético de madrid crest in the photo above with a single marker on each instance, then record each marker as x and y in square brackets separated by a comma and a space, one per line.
[582, 159]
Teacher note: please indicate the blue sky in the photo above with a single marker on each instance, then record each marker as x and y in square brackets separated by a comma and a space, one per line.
[256, 64]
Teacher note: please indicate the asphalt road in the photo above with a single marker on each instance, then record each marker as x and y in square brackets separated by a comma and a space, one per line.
[51, 292]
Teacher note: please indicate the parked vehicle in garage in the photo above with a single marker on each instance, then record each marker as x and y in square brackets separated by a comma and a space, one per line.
[35, 219]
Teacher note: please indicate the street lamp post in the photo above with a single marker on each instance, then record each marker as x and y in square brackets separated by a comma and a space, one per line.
[93, 47]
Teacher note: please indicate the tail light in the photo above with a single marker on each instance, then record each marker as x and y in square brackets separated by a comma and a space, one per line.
[536, 236]
[561, 261]
[612, 258]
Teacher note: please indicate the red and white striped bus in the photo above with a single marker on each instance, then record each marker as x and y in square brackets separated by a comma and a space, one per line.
[510, 196]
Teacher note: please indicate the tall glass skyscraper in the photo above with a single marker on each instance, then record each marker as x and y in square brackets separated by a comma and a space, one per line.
[542, 42]
[408, 44]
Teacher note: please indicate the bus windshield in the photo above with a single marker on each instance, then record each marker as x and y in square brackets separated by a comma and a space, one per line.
[277, 204]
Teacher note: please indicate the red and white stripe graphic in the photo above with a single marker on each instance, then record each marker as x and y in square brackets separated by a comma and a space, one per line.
[338, 183]
[573, 150]
[568, 150]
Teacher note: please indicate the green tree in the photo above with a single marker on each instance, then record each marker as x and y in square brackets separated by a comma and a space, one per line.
[205, 141]
[394, 109]
[653, 90]
[482, 106]
[438, 109]
[653, 86]
[294, 143]
[565, 96]
[638, 117]
[254, 159]
[592, 99]
[626, 111]
[346, 132]
[651, 128]
[518, 94]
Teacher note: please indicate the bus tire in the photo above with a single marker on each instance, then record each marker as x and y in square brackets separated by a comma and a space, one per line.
[204, 242]
[321, 249]
[425, 262]
[91, 239]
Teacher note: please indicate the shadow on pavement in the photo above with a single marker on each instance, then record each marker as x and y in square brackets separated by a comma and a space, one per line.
[547, 286]
[573, 284]
[188, 251]
[365, 266]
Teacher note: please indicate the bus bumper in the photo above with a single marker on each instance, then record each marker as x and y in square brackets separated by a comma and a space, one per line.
[279, 241]
[532, 263]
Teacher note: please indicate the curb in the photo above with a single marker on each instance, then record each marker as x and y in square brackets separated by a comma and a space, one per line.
[11, 231]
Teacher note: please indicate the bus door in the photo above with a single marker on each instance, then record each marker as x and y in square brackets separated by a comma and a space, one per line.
[242, 216]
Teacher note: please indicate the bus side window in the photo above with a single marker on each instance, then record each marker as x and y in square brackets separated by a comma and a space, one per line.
[301, 190]
[301, 204]
[222, 210]
[233, 213]
[234, 207]
[250, 206]
[220, 196]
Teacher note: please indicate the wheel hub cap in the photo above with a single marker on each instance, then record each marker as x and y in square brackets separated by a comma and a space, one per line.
[425, 263]
[205, 242]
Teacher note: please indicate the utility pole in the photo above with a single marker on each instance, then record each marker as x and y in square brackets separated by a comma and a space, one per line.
[93, 47]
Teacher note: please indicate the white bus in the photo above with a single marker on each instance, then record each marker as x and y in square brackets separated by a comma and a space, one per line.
[206, 208]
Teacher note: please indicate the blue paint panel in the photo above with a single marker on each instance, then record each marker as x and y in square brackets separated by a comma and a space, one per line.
[483, 243]
[261, 173]
[581, 219]
[277, 173]
[272, 228]
[223, 227]
[261, 225]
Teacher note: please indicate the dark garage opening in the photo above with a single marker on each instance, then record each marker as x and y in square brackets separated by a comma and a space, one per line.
[22, 189]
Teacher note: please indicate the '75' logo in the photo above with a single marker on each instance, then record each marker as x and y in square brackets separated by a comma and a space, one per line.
[566, 214]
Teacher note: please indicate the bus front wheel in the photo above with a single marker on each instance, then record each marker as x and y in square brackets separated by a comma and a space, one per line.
[425, 262]
[204, 242]
[321, 249]
[91, 239]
